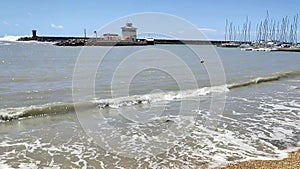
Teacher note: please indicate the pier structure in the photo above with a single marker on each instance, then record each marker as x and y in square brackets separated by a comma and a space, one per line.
[111, 37]
[128, 38]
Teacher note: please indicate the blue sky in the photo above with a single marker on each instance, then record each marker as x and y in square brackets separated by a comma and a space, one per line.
[69, 17]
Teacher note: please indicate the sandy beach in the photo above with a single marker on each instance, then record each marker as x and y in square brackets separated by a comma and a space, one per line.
[292, 162]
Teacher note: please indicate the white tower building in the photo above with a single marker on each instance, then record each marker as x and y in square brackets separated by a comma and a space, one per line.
[129, 32]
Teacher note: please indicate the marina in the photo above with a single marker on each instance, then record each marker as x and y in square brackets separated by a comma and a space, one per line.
[270, 35]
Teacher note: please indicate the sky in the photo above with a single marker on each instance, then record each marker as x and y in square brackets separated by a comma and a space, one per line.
[70, 18]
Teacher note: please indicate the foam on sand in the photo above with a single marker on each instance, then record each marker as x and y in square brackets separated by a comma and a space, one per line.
[292, 161]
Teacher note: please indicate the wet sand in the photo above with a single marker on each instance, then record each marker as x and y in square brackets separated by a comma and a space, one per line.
[292, 162]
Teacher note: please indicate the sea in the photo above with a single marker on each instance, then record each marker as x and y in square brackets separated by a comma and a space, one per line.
[145, 106]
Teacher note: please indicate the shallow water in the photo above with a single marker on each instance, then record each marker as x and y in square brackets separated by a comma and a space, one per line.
[158, 125]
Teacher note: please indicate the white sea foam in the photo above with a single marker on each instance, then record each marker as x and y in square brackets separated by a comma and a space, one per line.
[10, 38]
[15, 39]
[251, 137]
[11, 113]
[212, 146]
[28, 166]
[158, 97]
[5, 166]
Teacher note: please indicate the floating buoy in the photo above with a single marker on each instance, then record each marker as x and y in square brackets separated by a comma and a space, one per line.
[201, 61]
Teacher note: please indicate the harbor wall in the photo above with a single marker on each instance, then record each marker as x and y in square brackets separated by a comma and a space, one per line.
[81, 41]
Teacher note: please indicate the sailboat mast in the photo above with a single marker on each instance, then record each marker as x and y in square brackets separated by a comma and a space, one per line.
[226, 25]
[249, 28]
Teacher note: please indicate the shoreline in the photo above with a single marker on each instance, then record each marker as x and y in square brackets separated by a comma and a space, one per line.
[291, 162]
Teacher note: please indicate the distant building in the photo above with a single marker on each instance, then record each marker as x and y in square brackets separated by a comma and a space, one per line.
[129, 32]
[34, 33]
[111, 37]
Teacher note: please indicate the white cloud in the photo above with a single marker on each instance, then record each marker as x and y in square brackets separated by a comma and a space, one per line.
[56, 26]
[207, 29]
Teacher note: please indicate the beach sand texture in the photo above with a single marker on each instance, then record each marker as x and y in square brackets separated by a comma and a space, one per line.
[292, 162]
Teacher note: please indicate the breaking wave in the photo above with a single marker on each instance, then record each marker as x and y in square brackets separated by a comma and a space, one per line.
[10, 38]
[157, 97]
[263, 79]
[9, 114]
[16, 38]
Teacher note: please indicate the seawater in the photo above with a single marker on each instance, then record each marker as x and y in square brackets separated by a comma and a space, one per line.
[39, 127]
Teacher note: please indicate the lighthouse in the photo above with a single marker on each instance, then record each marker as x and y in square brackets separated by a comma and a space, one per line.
[129, 33]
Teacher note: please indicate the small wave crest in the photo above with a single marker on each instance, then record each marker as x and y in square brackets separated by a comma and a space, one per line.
[9, 114]
[263, 79]
[158, 97]
[168, 96]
